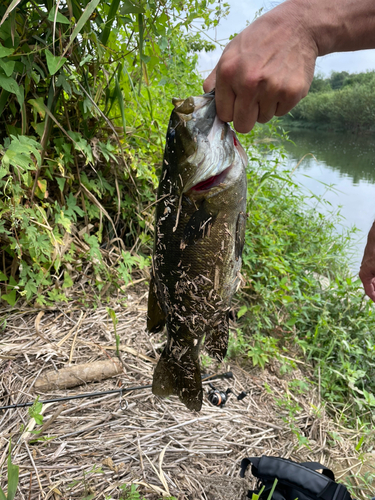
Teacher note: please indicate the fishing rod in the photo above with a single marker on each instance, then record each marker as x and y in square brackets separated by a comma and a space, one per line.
[205, 378]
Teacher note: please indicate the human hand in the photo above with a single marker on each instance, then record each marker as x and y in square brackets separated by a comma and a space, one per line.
[265, 70]
[367, 271]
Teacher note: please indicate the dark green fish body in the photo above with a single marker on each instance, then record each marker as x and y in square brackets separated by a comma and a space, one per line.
[199, 236]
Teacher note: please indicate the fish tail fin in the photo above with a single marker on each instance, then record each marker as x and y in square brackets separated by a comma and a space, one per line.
[179, 376]
[216, 342]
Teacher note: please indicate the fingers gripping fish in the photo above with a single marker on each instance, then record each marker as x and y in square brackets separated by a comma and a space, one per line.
[199, 236]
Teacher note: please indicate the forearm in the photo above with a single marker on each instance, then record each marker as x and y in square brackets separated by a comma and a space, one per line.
[335, 25]
[367, 271]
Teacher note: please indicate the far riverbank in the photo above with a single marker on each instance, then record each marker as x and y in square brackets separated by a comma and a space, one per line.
[295, 125]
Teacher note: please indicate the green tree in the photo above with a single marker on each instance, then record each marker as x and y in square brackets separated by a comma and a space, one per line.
[320, 84]
[337, 79]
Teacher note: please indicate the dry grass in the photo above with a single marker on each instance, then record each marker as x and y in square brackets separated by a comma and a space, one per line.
[96, 446]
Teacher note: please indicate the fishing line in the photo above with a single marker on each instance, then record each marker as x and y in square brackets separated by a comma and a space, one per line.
[103, 393]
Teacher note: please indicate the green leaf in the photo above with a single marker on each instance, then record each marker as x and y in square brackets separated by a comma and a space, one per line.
[60, 18]
[110, 18]
[163, 42]
[68, 282]
[38, 105]
[12, 281]
[54, 63]
[38, 419]
[243, 310]
[35, 77]
[13, 473]
[19, 153]
[30, 288]
[71, 202]
[10, 297]
[39, 128]
[41, 189]
[10, 85]
[129, 8]
[7, 66]
[358, 447]
[3, 173]
[5, 52]
[2, 495]
[64, 221]
[3, 277]
[61, 183]
[81, 22]
[113, 316]
[62, 82]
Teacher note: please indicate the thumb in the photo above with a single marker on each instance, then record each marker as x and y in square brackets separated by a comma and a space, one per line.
[210, 81]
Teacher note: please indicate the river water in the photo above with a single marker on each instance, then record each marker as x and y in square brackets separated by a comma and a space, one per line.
[342, 169]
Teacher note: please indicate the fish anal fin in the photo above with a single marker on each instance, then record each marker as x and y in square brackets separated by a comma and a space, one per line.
[179, 376]
[155, 314]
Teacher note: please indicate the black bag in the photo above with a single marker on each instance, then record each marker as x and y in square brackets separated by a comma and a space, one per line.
[294, 480]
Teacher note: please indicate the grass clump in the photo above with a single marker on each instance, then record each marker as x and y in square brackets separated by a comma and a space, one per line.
[300, 296]
[130, 492]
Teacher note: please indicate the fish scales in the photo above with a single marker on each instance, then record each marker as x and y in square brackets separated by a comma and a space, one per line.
[199, 236]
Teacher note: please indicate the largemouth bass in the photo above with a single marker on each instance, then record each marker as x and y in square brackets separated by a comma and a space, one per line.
[199, 237]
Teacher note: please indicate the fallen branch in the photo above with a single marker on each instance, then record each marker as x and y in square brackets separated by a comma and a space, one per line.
[77, 375]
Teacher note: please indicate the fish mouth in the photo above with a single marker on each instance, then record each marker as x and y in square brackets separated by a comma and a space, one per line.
[213, 157]
[216, 144]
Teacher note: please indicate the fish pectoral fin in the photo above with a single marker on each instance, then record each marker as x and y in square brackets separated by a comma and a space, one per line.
[216, 342]
[179, 376]
[240, 234]
[155, 314]
[199, 224]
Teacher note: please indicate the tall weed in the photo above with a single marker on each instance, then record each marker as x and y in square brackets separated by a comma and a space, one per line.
[85, 90]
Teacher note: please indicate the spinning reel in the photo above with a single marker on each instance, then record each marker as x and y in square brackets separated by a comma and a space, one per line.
[219, 398]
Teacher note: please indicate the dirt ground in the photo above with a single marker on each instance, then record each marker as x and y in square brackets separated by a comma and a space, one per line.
[95, 447]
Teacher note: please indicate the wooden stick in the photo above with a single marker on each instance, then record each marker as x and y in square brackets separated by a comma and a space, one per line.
[75, 375]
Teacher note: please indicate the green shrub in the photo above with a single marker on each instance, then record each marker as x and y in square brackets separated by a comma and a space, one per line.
[351, 106]
[85, 91]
